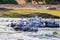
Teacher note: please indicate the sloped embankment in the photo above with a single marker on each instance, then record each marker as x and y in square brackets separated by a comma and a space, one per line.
[17, 15]
[28, 13]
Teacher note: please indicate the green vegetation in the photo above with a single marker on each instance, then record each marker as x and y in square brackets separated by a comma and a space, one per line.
[28, 1]
[18, 15]
[47, 1]
[8, 2]
[29, 13]
[52, 1]
[15, 2]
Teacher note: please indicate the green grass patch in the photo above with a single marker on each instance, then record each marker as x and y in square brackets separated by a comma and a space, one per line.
[21, 15]
[30, 13]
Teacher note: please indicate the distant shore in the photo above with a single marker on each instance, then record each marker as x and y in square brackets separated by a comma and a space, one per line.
[29, 6]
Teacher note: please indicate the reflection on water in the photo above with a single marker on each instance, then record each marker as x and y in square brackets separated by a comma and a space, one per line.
[27, 36]
[42, 34]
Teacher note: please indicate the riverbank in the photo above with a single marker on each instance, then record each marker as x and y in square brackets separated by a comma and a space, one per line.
[11, 10]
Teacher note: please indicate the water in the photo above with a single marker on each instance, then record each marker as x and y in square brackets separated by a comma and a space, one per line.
[7, 33]
[43, 34]
[37, 36]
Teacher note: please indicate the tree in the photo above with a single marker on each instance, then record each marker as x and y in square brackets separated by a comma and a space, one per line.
[8, 2]
[52, 1]
[0, 1]
[36, 0]
[58, 1]
[28, 1]
[12, 1]
[4, 1]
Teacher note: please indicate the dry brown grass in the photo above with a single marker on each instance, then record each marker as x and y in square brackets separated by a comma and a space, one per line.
[27, 11]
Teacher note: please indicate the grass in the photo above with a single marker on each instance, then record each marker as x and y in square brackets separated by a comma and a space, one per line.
[24, 12]
[52, 12]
